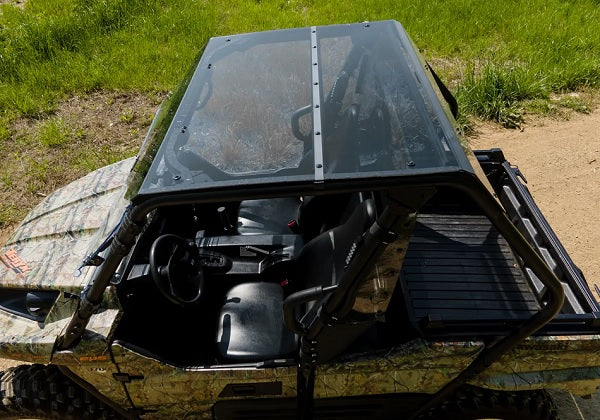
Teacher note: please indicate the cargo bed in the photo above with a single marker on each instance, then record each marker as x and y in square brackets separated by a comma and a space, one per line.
[461, 277]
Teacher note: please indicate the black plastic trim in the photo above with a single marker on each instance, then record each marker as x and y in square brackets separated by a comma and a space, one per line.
[384, 406]
[573, 273]
[254, 389]
[13, 301]
[291, 303]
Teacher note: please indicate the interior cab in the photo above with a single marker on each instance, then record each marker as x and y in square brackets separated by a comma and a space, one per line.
[213, 266]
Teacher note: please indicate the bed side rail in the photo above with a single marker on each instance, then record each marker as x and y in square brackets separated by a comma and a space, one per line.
[509, 185]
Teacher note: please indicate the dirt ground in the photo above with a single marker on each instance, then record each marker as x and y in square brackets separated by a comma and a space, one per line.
[83, 133]
[561, 162]
[18, 3]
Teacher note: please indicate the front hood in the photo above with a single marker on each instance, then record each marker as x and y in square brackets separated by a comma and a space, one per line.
[50, 244]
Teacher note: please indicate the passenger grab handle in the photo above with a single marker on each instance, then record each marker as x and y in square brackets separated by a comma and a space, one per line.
[292, 301]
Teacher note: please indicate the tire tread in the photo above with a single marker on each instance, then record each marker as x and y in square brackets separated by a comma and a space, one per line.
[472, 402]
[44, 392]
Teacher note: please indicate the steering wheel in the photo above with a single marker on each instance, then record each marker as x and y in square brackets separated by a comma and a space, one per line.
[176, 269]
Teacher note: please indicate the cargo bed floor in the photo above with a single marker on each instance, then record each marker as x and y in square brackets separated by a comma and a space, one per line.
[459, 272]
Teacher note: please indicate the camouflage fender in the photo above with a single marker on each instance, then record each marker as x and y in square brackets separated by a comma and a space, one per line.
[50, 244]
[31, 341]
[45, 252]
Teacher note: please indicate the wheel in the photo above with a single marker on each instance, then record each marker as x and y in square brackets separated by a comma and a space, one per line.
[472, 402]
[43, 392]
[176, 269]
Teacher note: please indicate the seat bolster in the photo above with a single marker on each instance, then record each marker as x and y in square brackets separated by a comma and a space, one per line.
[251, 324]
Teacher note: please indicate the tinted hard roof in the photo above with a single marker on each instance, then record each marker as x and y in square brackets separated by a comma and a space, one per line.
[306, 105]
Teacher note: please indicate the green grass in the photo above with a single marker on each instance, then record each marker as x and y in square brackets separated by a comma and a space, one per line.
[501, 52]
[55, 133]
[8, 213]
[5, 131]
[496, 91]
[93, 159]
[40, 172]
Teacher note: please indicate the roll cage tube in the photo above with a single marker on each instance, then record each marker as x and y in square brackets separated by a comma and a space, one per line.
[91, 297]
[519, 244]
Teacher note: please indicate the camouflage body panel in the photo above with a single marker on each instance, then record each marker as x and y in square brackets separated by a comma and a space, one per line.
[417, 366]
[565, 362]
[50, 245]
[31, 341]
[91, 359]
[24, 340]
[180, 391]
[100, 375]
[52, 241]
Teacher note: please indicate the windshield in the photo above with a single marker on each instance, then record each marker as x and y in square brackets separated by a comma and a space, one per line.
[306, 105]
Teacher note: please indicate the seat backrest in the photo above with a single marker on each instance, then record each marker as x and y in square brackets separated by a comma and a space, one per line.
[267, 216]
[322, 260]
[339, 262]
[310, 214]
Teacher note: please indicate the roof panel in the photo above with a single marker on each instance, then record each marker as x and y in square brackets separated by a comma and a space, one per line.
[247, 115]
[381, 115]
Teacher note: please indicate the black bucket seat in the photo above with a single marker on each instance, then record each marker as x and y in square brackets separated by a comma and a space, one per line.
[251, 324]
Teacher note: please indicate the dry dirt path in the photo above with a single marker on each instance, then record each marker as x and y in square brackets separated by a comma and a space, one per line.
[561, 161]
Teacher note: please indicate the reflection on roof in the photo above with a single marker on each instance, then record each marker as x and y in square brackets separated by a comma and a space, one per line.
[306, 105]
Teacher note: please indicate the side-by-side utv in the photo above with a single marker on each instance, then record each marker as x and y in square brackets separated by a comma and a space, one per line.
[304, 234]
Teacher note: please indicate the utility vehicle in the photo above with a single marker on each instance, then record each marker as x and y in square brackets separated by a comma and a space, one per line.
[304, 233]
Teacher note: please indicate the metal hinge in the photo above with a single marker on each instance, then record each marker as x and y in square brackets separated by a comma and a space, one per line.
[126, 377]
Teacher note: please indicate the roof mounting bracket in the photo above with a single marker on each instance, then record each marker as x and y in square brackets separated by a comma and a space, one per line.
[316, 105]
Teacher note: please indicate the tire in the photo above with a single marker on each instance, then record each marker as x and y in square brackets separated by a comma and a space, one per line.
[471, 403]
[43, 392]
